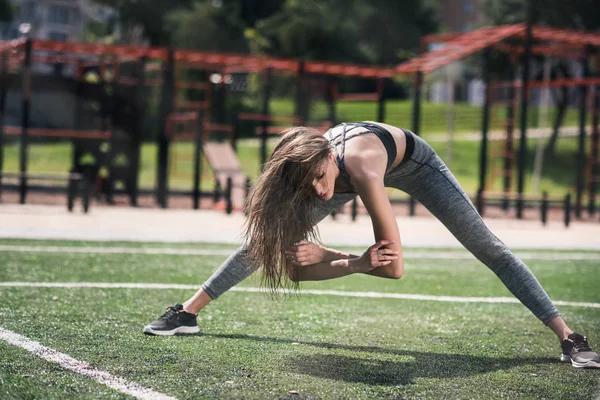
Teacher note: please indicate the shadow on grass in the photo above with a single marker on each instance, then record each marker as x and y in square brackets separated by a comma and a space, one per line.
[416, 364]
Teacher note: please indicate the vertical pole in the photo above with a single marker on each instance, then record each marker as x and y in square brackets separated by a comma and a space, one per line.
[300, 101]
[567, 209]
[381, 100]
[78, 120]
[228, 200]
[544, 208]
[580, 178]
[26, 108]
[416, 123]
[416, 111]
[166, 106]
[139, 131]
[483, 152]
[451, 114]
[221, 103]
[539, 149]
[524, 109]
[264, 124]
[198, 158]
[235, 132]
[331, 99]
[114, 141]
[3, 91]
[508, 146]
[594, 164]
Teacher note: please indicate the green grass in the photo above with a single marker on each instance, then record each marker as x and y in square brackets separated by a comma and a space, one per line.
[252, 347]
[433, 116]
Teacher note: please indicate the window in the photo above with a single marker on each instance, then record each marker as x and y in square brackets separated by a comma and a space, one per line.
[29, 11]
[467, 7]
[58, 36]
[58, 15]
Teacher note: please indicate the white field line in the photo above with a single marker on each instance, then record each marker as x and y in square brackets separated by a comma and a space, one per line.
[82, 368]
[432, 255]
[375, 295]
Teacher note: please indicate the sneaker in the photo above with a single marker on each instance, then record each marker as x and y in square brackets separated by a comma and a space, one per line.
[576, 349]
[172, 322]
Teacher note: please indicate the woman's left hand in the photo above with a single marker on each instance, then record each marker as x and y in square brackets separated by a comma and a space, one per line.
[306, 253]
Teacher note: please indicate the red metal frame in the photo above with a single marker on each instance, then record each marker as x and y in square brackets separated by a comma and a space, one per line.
[71, 52]
[563, 43]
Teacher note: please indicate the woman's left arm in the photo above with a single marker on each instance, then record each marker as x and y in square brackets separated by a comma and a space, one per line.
[368, 182]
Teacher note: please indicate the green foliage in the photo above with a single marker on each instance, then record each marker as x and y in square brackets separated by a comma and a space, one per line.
[574, 14]
[6, 10]
[338, 30]
[208, 27]
[361, 31]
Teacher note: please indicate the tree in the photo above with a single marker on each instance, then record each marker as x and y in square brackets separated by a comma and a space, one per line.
[6, 11]
[208, 26]
[344, 30]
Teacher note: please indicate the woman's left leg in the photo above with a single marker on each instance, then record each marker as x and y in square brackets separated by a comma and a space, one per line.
[434, 186]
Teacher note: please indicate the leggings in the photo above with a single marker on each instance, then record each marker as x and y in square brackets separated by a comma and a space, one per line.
[424, 176]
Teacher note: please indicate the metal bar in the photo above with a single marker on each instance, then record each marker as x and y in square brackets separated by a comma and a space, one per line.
[581, 161]
[3, 92]
[483, 152]
[380, 100]
[331, 99]
[544, 208]
[26, 108]
[300, 103]
[140, 101]
[166, 106]
[416, 112]
[508, 146]
[523, 120]
[267, 86]
[594, 162]
[567, 209]
[198, 158]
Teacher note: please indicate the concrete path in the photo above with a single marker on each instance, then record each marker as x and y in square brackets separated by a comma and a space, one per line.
[177, 225]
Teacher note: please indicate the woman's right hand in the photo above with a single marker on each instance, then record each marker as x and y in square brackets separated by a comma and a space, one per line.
[375, 256]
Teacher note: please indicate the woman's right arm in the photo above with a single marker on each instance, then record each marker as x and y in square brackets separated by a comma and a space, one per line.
[375, 256]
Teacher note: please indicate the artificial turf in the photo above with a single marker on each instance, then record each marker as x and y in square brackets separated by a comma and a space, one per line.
[300, 346]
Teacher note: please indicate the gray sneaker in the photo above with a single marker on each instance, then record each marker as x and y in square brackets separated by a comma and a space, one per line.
[576, 349]
[174, 322]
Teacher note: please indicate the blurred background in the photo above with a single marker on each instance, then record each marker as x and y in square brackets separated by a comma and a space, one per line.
[453, 104]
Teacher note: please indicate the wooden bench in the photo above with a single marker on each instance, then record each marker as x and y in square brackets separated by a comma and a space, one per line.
[225, 164]
[77, 185]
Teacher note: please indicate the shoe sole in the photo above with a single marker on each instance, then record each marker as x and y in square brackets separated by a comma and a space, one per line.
[589, 364]
[182, 330]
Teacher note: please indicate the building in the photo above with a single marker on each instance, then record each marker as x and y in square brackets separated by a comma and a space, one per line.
[461, 15]
[458, 81]
[59, 20]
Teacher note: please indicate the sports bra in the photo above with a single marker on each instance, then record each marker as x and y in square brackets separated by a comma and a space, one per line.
[383, 134]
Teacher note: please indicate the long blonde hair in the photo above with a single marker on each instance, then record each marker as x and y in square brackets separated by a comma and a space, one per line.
[280, 205]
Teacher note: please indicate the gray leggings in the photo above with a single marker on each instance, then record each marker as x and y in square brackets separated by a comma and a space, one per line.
[425, 177]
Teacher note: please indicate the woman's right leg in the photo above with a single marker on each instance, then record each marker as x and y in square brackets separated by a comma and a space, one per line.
[181, 318]
[236, 268]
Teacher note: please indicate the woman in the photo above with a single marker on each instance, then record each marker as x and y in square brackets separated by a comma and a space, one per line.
[309, 175]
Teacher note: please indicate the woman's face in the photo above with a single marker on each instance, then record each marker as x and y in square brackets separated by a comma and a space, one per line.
[324, 182]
